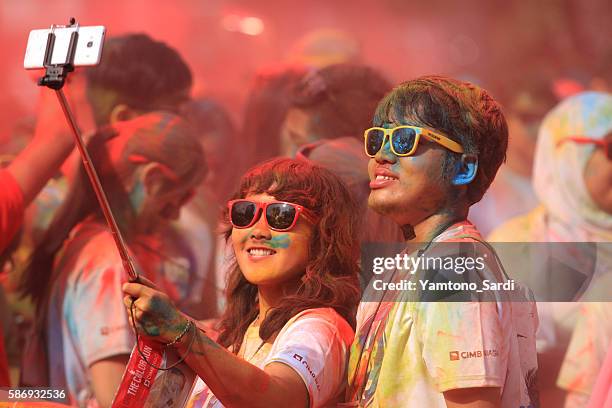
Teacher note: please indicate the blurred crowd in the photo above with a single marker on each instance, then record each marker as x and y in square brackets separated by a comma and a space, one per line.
[170, 163]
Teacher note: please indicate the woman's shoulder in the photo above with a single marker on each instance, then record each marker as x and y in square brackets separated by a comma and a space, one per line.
[322, 319]
[328, 314]
[90, 232]
[90, 249]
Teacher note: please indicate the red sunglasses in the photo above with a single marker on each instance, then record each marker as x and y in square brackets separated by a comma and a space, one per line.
[605, 143]
[280, 215]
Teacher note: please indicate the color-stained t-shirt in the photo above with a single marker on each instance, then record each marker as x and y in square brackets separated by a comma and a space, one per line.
[86, 320]
[314, 343]
[11, 215]
[414, 351]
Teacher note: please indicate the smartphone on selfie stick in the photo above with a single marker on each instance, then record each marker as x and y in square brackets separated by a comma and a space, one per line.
[87, 49]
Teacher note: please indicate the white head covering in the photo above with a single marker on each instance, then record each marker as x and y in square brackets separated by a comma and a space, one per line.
[558, 175]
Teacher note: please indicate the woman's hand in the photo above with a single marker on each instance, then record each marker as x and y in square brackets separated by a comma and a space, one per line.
[154, 315]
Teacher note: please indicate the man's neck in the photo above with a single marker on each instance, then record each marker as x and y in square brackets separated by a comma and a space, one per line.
[435, 224]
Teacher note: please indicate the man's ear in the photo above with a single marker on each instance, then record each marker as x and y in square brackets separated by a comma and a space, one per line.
[120, 113]
[466, 170]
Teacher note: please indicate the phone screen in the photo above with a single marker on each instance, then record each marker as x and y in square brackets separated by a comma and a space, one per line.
[88, 50]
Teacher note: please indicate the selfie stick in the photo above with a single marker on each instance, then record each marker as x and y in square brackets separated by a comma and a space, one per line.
[55, 77]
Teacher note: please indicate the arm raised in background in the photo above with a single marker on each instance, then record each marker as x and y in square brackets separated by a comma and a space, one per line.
[40, 160]
[51, 145]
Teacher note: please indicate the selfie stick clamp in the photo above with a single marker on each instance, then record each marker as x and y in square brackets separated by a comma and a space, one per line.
[55, 78]
[55, 74]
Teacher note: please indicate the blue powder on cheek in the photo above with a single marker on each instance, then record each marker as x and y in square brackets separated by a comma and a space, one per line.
[280, 241]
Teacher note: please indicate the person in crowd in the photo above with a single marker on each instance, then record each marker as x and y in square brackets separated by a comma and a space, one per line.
[197, 228]
[216, 132]
[511, 193]
[149, 167]
[570, 175]
[136, 74]
[21, 180]
[291, 295]
[572, 179]
[435, 148]
[329, 103]
[266, 107]
[324, 46]
[525, 102]
[328, 111]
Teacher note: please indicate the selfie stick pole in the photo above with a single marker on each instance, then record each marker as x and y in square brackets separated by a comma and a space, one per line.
[55, 77]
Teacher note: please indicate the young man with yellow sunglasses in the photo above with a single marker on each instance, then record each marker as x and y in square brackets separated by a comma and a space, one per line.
[434, 150]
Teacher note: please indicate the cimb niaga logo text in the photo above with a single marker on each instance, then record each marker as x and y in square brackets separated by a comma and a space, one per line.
[463, 355]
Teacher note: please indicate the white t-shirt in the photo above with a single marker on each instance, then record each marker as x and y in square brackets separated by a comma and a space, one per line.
[314, 343]
[87, 321]
[408, 353]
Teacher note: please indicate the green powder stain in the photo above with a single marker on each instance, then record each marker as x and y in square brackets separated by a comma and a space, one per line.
[280, 241]
[151, 329]
[247, 235]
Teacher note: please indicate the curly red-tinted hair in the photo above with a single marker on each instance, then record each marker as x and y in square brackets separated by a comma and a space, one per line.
[331, 276]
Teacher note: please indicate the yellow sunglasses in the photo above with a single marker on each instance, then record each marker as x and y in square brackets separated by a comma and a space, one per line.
[404, 140]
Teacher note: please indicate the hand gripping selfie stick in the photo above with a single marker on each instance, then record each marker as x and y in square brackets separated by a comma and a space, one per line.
[55, 78]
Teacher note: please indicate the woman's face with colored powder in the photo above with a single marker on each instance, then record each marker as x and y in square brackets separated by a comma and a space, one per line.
[598, 178]
[272, 258]
[158, 195]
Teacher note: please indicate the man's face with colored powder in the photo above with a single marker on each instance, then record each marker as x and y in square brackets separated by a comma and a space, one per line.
[408, 189]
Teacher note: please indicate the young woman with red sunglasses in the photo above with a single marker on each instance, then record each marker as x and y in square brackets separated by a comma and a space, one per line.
[291, 295]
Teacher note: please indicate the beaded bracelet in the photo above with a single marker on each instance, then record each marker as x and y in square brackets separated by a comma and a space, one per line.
[181, 334]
